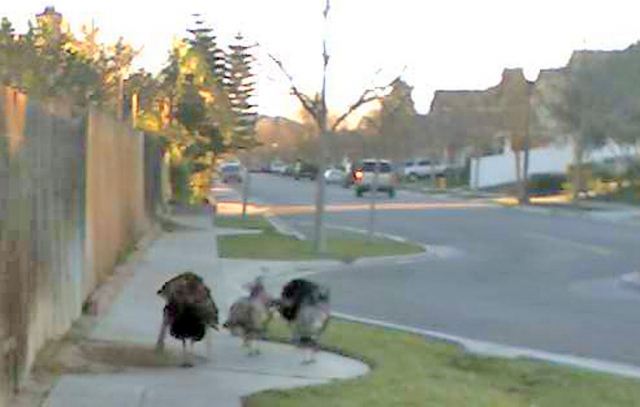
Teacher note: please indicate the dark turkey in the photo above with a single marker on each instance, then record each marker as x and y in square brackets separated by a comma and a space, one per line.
[305, 306]
[188, 312]
[249, 316]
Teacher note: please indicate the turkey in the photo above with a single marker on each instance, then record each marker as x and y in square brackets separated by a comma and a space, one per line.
[188, 312]
[305, 306]
[249, 316]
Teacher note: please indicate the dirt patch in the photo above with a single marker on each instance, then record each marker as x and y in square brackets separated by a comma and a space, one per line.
[78, 354]
[104, 357]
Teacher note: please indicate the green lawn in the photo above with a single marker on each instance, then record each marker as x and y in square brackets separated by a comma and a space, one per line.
[407, 371]
[251, 222]
[271, 245]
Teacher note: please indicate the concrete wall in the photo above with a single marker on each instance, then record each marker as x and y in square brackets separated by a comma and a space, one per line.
[501, 169]
[115, 173]
[75, 192]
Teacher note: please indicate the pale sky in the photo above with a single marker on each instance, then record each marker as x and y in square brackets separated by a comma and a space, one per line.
[453, 44]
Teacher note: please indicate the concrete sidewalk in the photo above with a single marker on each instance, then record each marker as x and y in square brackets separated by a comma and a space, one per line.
[134, 320]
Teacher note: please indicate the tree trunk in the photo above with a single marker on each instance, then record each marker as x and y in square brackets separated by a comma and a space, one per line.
[524, 182]
[518, 160]
[577, 169]
[120, 102]
[319, 238]
[372, 204]
[246, 182]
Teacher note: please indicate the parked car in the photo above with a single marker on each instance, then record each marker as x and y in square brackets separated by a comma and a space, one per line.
[231, 172]
[365, 174]
[334, 175]
[305, 170]
[422, 168]
[278, 167]
[288, 171]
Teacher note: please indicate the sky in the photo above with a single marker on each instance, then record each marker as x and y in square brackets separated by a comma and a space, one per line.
[454, 44]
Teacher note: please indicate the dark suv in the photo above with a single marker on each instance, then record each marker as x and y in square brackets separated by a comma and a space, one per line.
[305, 170]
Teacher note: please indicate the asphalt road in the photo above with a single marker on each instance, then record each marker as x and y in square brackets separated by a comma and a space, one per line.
[522, 279]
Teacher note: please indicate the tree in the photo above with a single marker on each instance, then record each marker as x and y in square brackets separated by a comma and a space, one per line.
[144, 88]
[583, 109]
[465, 121]
[624, 71]
[48, 61]
[118, 67]
[8, 52]
[515, 102]
[191, 107]
[317, 108]
[168, 84]
[398, 120]
[241, 91]
[204, 43]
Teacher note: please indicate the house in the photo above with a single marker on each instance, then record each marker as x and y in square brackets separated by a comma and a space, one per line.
[552, 150]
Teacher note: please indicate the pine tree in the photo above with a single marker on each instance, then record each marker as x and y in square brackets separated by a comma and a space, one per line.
[241, 91]
[204, 43]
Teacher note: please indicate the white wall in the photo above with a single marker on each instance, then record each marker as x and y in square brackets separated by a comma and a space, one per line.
[501, 169]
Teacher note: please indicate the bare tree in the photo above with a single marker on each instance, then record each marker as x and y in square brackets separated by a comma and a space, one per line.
[317, 108]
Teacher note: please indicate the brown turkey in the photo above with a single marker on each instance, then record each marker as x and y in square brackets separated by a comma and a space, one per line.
[249, 316]
[305, 306]
[189, 312]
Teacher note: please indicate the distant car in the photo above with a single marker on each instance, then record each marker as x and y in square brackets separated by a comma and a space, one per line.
[288, 171]
[364, 177]
[334, 175]
[278, 167]
[230, 173]
[422, 168]
[305, 170]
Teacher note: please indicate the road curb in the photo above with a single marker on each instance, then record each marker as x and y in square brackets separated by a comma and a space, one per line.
[492, 349]
[441, 252]
[283, 228]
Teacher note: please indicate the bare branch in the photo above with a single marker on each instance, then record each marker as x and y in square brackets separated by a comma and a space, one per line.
[307, 104]
[369, 95]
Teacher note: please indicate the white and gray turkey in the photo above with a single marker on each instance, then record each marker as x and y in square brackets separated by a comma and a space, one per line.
[249, 316]
[188, 313]
[305, 306]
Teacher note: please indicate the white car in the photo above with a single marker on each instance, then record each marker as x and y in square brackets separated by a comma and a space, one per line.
[334, 175]
[422, 168]
[278, 167]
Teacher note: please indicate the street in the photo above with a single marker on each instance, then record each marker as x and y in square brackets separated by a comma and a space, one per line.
[546, 282]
